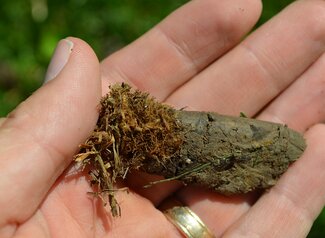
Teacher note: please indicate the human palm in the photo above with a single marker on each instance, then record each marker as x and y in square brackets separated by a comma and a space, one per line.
[195, 59]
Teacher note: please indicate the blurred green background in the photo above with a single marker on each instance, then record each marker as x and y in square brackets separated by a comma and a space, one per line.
[30, 29]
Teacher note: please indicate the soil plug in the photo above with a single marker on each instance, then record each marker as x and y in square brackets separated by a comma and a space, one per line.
[230, 155]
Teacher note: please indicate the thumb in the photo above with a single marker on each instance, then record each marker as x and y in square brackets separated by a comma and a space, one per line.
[38, 139]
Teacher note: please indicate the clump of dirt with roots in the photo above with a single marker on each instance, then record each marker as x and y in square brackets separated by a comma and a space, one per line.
[230, 155]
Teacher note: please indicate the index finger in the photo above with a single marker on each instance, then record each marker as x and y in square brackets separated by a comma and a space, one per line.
[182, 45]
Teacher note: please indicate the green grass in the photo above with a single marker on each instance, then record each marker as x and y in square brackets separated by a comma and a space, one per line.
[29, 31]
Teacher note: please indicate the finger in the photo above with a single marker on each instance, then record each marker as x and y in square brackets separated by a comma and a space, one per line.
[181, 45]
[218, 212]
[291, 206]
[303, 103]
[38, 139]
[263, 65]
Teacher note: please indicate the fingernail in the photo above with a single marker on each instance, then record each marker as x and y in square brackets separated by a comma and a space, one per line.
[59, 59]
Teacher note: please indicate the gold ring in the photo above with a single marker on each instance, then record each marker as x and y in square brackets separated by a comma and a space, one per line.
[188, 222]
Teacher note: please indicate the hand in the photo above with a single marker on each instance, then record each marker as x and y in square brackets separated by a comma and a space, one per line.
[193, 58]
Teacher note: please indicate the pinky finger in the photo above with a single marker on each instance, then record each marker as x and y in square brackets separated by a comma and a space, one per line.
[291, 206]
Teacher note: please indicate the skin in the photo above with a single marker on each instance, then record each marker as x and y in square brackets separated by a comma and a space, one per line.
[194, 58]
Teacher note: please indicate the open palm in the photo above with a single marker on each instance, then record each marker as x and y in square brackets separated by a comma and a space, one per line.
[195, 59]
